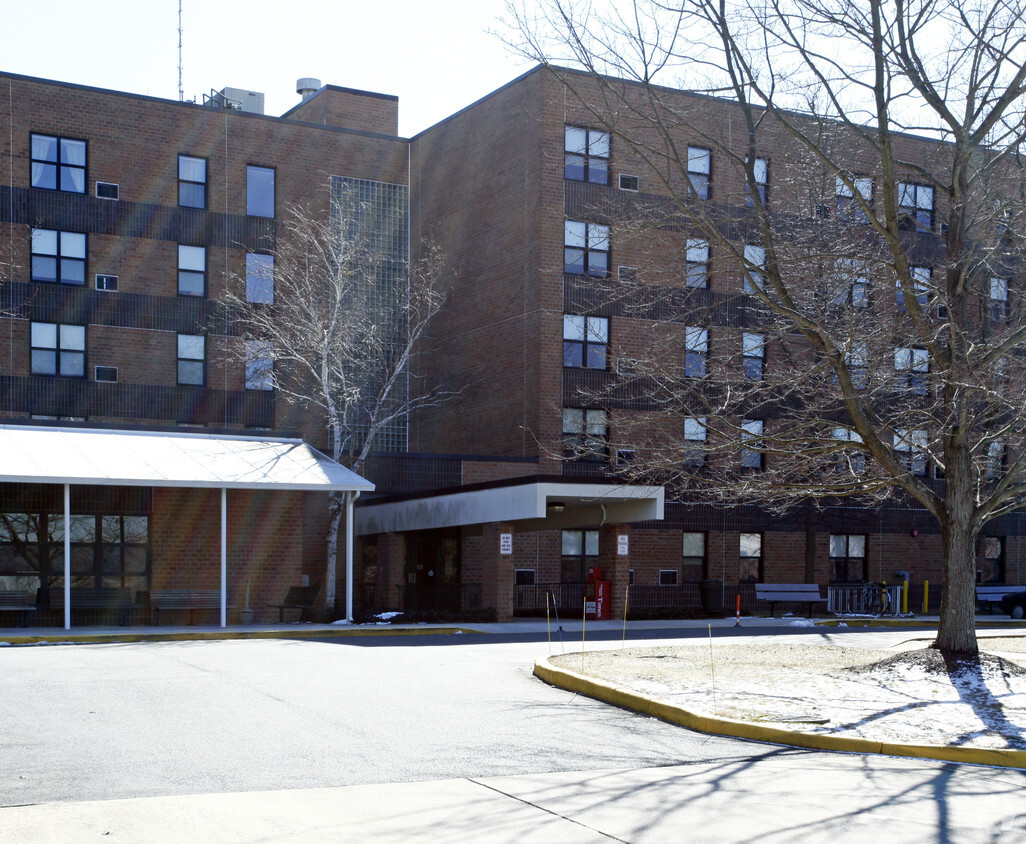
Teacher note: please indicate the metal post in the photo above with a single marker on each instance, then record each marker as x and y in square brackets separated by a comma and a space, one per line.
[67, 556]
[224, 556]
[350, 498]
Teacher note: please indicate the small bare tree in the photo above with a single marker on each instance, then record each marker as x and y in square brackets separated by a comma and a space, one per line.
[876, 265]
[332, 319]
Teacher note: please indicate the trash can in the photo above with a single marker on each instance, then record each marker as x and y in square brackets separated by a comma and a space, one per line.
[712, 596]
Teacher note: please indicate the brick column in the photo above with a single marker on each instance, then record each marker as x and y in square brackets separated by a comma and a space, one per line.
[392, 568]
[615, 567]
[497, 571]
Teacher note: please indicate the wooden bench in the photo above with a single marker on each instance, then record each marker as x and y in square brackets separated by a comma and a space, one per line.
[791, 593]
[184, 599]
[991, 595]
[16, 601]
[113, 602]
[300, 598]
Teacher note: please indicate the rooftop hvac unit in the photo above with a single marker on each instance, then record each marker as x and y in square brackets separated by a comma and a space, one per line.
[238, 99]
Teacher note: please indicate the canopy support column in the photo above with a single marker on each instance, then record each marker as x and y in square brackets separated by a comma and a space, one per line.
[67, 556]
[224, 556]
[350, 531]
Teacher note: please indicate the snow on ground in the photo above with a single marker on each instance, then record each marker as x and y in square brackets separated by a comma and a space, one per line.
[828, 689]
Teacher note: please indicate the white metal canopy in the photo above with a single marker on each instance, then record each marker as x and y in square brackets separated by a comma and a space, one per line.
[109, 457]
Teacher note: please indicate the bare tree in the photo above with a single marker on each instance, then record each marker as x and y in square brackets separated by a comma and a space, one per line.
[878, 262]
[332, 319]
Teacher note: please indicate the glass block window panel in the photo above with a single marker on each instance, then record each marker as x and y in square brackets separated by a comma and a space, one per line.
[750, 554]
[260, 191]
[697, 263]
[192, 270]
[58, 257]
[760, 169]
[259, 365]
[699, 171]
[58, 349]
[586, 248]
[586, 155]
[192, 181]
[753, 347]
[260, 278]
[585, 341]
[192, 359]
[755, 264]
[58, 163]
[915, 202]
[696, 352]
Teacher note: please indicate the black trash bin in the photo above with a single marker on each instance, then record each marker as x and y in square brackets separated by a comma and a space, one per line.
[712, 596]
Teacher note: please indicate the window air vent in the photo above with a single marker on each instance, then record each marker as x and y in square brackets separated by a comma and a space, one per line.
[107, 190]
[629, 183]
[107, 373]
[106, 282]
[627, 273]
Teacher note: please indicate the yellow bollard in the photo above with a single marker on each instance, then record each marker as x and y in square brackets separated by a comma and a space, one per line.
[904, 599]
[926, 595]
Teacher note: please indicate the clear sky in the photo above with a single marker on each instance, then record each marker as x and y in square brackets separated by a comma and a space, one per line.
[437, 57]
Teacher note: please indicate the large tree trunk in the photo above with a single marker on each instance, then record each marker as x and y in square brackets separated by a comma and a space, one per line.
[957, 631]
[335, 509]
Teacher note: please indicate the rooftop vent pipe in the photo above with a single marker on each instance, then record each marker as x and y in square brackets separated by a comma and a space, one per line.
[307, 87]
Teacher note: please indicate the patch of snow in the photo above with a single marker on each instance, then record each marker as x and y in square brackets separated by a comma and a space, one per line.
[802, 622]
[387, 616]
[341, 622]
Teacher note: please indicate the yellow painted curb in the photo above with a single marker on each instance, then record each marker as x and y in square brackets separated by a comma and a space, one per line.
[210, 635]
[675, 714]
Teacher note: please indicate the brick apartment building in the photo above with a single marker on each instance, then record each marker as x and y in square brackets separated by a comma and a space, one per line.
[126, 216]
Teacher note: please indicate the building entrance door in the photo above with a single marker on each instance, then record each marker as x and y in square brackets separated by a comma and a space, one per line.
[433, 571]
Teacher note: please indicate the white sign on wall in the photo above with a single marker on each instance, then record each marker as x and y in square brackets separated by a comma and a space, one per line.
[622, 545]
[505, 543]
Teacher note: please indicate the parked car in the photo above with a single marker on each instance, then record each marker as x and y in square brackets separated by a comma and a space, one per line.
[1014, 603]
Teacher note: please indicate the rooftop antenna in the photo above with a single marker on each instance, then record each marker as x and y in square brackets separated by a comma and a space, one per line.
[181, 91]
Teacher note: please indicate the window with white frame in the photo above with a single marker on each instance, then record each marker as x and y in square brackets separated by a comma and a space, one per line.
[910, 449]
[58, 257]
[693, 551]
[847, 557]
[852, 459]
[755, 265]
[192, 359]
[849, 190]
[912, 366]
[192, 181]
[586, 155]
[695, 433]
[760, 170]
[58, 349]
[585, 248]
[696, 352]
[921, 282]
[699, 171]
[259, 365]
[852, 282]
[585, 341]
[697, 272]
[259, 278]
[998, 305]
[750, 558]
[753, 347]
[192, 270]
[585, 433]
[580, 550]
[751, 442]
[58, 163]
[915, 202]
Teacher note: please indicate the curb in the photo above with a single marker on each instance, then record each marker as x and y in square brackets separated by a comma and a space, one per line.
[211, 635]
[674, 714]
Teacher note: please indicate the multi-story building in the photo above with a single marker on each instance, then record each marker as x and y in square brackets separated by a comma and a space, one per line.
[125, 218]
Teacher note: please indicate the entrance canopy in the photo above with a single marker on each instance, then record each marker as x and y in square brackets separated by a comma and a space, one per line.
[530, 503]
[52, 455]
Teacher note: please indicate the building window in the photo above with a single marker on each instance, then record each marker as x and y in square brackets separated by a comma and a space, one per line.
[754, 354]
[628, 183]
[192, 270]
[915, 203]
[58, 163]
[750, 558]
[697, 263]
[585, 433]
[856, 358]
[998, 309]
[848, 557]
[699, 171]
[852, 282]
[192, 358]
[259, 191]
[993, 562]
[693, 550]
[585, 341]
[696, 351]
[695, 432]
[259, 278]
[587, 155]
[848, 194]
[580, 552]
[667, 577]
[259, 365]
[850, 460]
[760, 170]
[586, 248]
[523, 577]
[912, 366]
[58, 257]
[910, 450]
[751, 433]
[755, 266]
[921, 277]
[58, 349]
[995, 460]
[192, 181]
